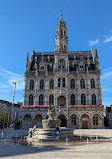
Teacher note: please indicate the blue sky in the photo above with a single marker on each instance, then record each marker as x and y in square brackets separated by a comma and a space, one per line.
[31, 24]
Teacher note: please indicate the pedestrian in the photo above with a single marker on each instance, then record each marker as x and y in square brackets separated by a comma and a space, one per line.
[33, 130]
[57, 130]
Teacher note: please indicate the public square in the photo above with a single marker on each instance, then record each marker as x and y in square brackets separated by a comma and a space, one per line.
[56, 79]
[94, 149]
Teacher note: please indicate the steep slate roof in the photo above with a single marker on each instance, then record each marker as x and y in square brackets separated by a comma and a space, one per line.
[48, 57]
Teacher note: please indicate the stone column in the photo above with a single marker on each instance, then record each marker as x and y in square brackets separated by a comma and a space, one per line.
[35, 100]
[90, 126]
[55, 102]
[88, 99]
[79, 123]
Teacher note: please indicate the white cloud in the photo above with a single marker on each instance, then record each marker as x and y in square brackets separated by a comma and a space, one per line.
[93, 42]
[106, 85]
[3, 86]
[7, 78]
[107, 75]
[108, 39]
[107, 69]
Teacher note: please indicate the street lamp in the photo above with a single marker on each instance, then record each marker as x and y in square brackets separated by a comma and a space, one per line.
[15, 82]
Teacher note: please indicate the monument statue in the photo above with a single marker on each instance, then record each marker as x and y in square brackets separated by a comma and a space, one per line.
[51, 122]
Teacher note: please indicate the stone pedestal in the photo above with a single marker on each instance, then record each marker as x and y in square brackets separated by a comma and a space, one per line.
[51, 122]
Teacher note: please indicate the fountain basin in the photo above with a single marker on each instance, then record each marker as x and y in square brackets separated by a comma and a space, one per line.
[49, 134]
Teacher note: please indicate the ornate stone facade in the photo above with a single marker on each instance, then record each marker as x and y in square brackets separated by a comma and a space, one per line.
[68, 80]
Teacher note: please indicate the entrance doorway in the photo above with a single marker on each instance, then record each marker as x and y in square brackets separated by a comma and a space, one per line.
[85, 121]
[63, 120]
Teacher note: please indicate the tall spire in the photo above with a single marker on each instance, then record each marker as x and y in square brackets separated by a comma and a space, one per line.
[61, 38]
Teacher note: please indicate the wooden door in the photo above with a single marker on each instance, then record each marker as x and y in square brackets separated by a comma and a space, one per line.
[84, 124]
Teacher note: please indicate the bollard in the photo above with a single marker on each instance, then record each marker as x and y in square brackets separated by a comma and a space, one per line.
[97, 139]
[87, 140]
[41, 142]
[2, 135]
[66, 141]
[80, 136]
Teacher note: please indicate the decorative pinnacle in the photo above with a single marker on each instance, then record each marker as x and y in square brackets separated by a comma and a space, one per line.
[61, 16]
[27, 59]
[96, 53]
[92, 49]
[27, 55]
[33, 51]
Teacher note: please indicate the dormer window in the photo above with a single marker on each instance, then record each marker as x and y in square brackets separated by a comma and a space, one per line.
[64, 47]
[81, 68]
[59, 82]
[42, 67]
[61, 64]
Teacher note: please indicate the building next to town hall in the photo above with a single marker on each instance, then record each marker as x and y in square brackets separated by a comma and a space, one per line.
[68, 80]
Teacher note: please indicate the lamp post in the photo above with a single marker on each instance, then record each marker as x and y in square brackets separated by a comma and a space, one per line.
[15, 82]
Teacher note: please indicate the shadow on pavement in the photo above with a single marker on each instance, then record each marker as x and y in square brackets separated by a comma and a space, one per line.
[8, 149]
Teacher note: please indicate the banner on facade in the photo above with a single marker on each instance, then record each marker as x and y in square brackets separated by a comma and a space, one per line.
[85, 119]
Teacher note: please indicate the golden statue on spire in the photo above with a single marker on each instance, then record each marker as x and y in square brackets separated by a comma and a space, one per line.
[61, 15]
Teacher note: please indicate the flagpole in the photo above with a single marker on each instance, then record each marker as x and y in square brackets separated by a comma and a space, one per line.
[15, 82]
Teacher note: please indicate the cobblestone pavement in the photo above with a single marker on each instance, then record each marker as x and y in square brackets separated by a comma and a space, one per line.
[98, 150]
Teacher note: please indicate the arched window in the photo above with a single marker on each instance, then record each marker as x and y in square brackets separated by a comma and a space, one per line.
[42, 67]
[51, 84]
[41, 100]
[81, 68]
[72, 99]
[93, 99]
[31, 84]
[83, 99]
[64, 47]
[61, 34]
[72, 84]
[92, 83]
[82, 83]
[59, 82]
[51, 99]
[41, 84]
[31, 100]
[64, 33]
[63, 82]
[73, 119]
[95, 120]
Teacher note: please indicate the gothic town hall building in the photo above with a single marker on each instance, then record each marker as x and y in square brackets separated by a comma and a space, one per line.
[68, 80]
